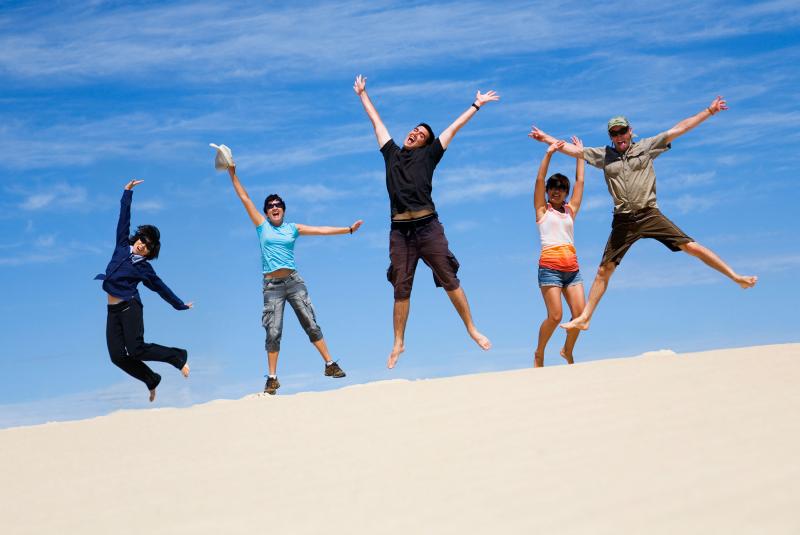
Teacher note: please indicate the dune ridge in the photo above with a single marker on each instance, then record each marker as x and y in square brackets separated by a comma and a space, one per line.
[660, 443]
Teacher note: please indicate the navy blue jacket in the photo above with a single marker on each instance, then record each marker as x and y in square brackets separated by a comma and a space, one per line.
[122, 275]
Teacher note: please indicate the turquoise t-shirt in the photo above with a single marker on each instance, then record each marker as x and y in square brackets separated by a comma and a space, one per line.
[277, 245]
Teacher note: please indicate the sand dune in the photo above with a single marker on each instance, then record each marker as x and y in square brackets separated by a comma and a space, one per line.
[694, 443]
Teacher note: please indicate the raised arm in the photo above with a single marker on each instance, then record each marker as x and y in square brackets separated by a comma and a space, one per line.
[255, 216]
[308, 230]
[480, 99]
[539, 203]
[124, 222]
[568, 149]
[717, 105]
[577, 192]
[381, 133]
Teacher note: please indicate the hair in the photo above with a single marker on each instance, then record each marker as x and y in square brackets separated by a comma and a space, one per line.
[427, 127]
[273, 197]
[558, 179]
[150, 235]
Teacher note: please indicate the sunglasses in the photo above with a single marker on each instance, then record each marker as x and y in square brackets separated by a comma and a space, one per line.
[276, 204]
[620, 132]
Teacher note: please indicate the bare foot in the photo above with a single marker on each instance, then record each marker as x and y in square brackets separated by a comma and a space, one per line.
[152, 395]
[185, 370]
[568, 358]
[538, 360]
[576, 323]
[394, 355]
[746, 281]
[480, 340]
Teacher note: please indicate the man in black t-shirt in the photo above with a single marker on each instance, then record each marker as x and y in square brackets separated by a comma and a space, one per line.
[416, 232]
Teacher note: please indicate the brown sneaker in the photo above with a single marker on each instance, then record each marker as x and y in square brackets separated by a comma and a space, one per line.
[272, 386]
[333, 370]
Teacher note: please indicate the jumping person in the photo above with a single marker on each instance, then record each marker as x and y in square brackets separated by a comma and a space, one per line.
[281, 281]
[128, 267]
[415, 229]
[631, 180]
[559, 272]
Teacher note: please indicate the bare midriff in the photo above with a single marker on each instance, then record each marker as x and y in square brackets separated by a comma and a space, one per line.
[114, 300]
[411, 214]
[278, 273]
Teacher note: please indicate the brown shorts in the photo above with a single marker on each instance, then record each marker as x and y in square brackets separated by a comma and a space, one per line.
[626, 229]
[425, 239]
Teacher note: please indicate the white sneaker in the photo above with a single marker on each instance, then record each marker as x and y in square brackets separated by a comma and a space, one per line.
[224, 157]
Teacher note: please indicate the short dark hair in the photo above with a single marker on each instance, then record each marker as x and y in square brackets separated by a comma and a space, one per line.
[273, 197]
[427, 127]
[151, 237]
[556, 180]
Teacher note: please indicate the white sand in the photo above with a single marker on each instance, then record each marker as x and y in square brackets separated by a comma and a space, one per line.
[697, 443]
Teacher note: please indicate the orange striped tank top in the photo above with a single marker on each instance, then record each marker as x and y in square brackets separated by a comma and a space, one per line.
[558, 240]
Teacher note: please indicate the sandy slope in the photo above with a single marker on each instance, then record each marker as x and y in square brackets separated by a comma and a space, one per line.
[696, 443]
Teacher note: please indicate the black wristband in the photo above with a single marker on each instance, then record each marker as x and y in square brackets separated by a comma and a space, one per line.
[476, 106]
[350, 229]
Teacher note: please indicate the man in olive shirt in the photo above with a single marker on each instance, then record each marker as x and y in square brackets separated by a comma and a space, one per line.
[416, 231]
[631, 181]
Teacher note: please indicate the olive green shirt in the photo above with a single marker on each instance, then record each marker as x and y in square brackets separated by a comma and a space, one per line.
[630, 176]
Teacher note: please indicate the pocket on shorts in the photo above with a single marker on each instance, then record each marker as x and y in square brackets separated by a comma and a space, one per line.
[390, 273]
[309, 308]
[268, 313]
[453, 261]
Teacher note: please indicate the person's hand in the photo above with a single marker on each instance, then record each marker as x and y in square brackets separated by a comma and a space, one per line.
[133, 183]
[536, 134]
[717, 105]
[555, 146]
[483, 98]
[355, 226]
[360, 85]
[190, 304]
[577, 142]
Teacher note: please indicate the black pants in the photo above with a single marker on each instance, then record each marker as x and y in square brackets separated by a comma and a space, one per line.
[127, 348]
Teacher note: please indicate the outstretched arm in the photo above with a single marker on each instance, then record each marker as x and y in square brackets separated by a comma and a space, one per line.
[480, 99]
[577, 192]
[154, 283]
[255, 216]
[381, 133]
[717, 105]
[539, 203]
[568, 149]
[308, 230]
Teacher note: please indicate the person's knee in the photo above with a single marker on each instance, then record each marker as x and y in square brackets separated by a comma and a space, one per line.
[137, 350]
[606, 270]
[402, 293]
[555, 316]
[693, 248]
[119, 359]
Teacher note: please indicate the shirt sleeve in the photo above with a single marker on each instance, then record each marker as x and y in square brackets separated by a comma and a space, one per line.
[435, 151]
[124, 223]
[656, 145]
[154, 283]
[595, 156]
[389, 148]
[295, 232]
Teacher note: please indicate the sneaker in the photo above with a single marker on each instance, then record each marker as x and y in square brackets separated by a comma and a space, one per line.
[224, 158]
[333, 370]
[272, 386]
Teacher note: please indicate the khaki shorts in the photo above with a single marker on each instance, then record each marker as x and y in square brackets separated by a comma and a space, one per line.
[627, 229]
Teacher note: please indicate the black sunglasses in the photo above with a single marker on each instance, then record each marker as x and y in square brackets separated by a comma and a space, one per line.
[620, 132]
[276, 204]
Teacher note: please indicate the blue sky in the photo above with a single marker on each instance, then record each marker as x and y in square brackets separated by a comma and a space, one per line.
[99, 92]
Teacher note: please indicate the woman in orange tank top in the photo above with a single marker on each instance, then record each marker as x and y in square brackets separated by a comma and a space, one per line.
[558, 264]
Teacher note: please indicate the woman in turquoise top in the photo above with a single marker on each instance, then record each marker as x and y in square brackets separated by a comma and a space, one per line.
[281, 281]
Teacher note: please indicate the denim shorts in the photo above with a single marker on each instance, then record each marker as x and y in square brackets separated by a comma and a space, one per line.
[276, 293]
[562, 279]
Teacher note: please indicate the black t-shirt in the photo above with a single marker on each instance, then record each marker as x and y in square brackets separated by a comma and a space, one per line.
[409, 175]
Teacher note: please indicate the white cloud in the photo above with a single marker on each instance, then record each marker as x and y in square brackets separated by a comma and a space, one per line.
[57, 196]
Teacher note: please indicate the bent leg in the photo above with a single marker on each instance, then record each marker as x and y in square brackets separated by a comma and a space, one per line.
[712, 260]
[552, 301]
[599, 286]
[576, 301]
[459, 300]
[139, 349]
[125, 322]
